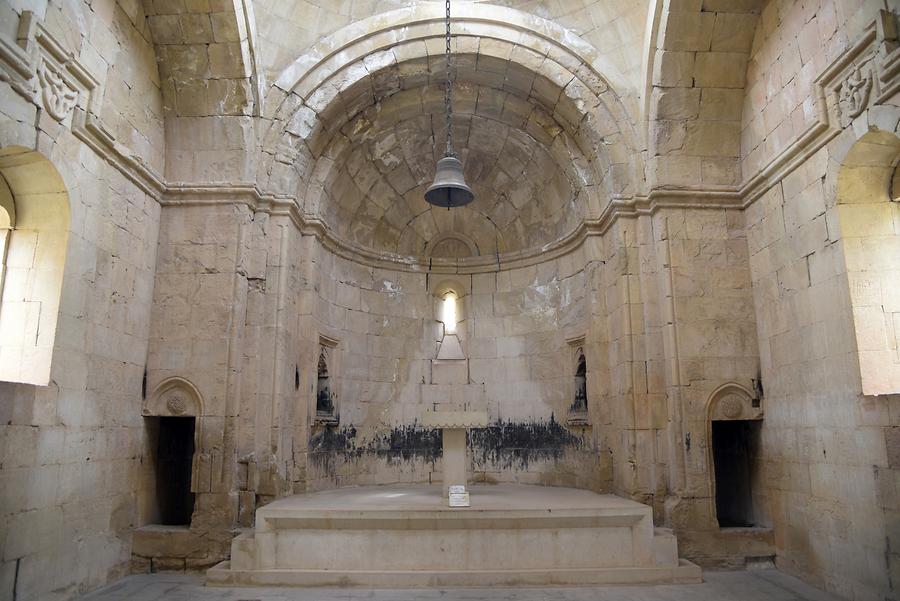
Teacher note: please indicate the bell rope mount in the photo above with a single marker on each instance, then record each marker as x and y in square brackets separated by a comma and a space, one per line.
[449, 188]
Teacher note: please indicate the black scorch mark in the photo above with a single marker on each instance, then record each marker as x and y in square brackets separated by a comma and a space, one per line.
[514, 445]
[503, 445]
[400, 444]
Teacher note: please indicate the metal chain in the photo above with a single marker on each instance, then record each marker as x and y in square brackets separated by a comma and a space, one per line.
[448, 101]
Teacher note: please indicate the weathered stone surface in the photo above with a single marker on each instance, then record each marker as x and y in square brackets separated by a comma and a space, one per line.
[670, 221]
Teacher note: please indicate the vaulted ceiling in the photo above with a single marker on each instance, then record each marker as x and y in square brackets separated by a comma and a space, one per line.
[678, 71]
[509, 132]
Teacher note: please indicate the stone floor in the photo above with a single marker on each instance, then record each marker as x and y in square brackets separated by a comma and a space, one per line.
[757, 585]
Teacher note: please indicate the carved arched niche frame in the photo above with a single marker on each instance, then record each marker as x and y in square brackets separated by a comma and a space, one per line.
[733, 402]
[729, 402]
[174, 397]
[327, 357]
[177, 397]
[577, 414]
[439, 291]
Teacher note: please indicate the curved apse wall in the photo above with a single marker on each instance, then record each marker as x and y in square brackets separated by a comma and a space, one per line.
[530, 178]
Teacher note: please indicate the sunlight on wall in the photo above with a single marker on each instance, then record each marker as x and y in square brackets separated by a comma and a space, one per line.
[36, 207]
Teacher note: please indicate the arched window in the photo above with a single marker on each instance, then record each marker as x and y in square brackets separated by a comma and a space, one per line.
[34, 231]
[7, 223]
[867, 185]
[449, 313]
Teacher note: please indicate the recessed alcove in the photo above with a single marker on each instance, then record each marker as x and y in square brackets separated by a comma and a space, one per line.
[735, 455]
[735, 450]
[173, 440]
[326, 411]
[171, 422]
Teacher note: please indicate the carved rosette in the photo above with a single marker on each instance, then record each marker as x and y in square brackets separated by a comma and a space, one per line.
[731, 406]
[176, 404]
[733, 402]
[58, 96]
[173, 397]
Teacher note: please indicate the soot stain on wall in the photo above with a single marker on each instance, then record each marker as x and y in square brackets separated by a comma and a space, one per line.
[503, 445]
[400, 444]
[512, 445]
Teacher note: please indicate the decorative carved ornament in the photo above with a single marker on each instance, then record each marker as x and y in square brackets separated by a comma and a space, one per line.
[173, 397]
[40, 69]
[176, 404]
[731, 406]
[733, 402]
[853, 94]
[59, 97]
[866, 74]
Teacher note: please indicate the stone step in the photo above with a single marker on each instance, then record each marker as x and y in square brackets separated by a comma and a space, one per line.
[407, 536]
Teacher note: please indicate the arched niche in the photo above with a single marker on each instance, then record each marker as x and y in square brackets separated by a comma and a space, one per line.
[439, 288]
[869, 225]
[174, 397]
[450, 361]
[34, 233]
[579, 401]
[734, 434]
[577, 414]
[733, 402]
[171, 415]
[442, 290]
[453, 245]
[326, 410]
[324, 399]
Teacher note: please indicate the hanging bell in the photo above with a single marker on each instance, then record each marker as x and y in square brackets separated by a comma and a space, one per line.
[449, 188]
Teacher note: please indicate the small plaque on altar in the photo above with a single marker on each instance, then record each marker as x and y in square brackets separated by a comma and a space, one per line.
[459, 499]
[457, 488]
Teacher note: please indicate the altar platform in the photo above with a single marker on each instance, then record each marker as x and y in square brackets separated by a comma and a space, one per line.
[405, 536]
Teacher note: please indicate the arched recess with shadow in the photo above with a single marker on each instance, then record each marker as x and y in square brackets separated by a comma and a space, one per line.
[172, 438]
[734, 434]
[34, 233]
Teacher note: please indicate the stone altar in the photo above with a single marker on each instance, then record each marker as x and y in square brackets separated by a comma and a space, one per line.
[453, 426]
[405, 536]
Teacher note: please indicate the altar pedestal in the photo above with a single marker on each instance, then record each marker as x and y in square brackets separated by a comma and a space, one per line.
[397, 536]
[453, 425]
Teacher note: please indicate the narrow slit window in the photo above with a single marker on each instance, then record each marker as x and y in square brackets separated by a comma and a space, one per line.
[449, 313]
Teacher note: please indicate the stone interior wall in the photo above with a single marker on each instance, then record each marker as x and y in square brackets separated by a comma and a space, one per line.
[227, 302]
[830, 472]
[513, 328]
[672, 303]
[679, 322]
[70, 451]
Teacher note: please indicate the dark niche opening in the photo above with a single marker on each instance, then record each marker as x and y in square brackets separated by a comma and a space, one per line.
[735, 447]
[174, 459]
[579, 403]
[324, 404]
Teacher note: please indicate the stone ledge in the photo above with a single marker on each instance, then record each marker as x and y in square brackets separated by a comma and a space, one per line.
[157, 541]
[727, 547]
